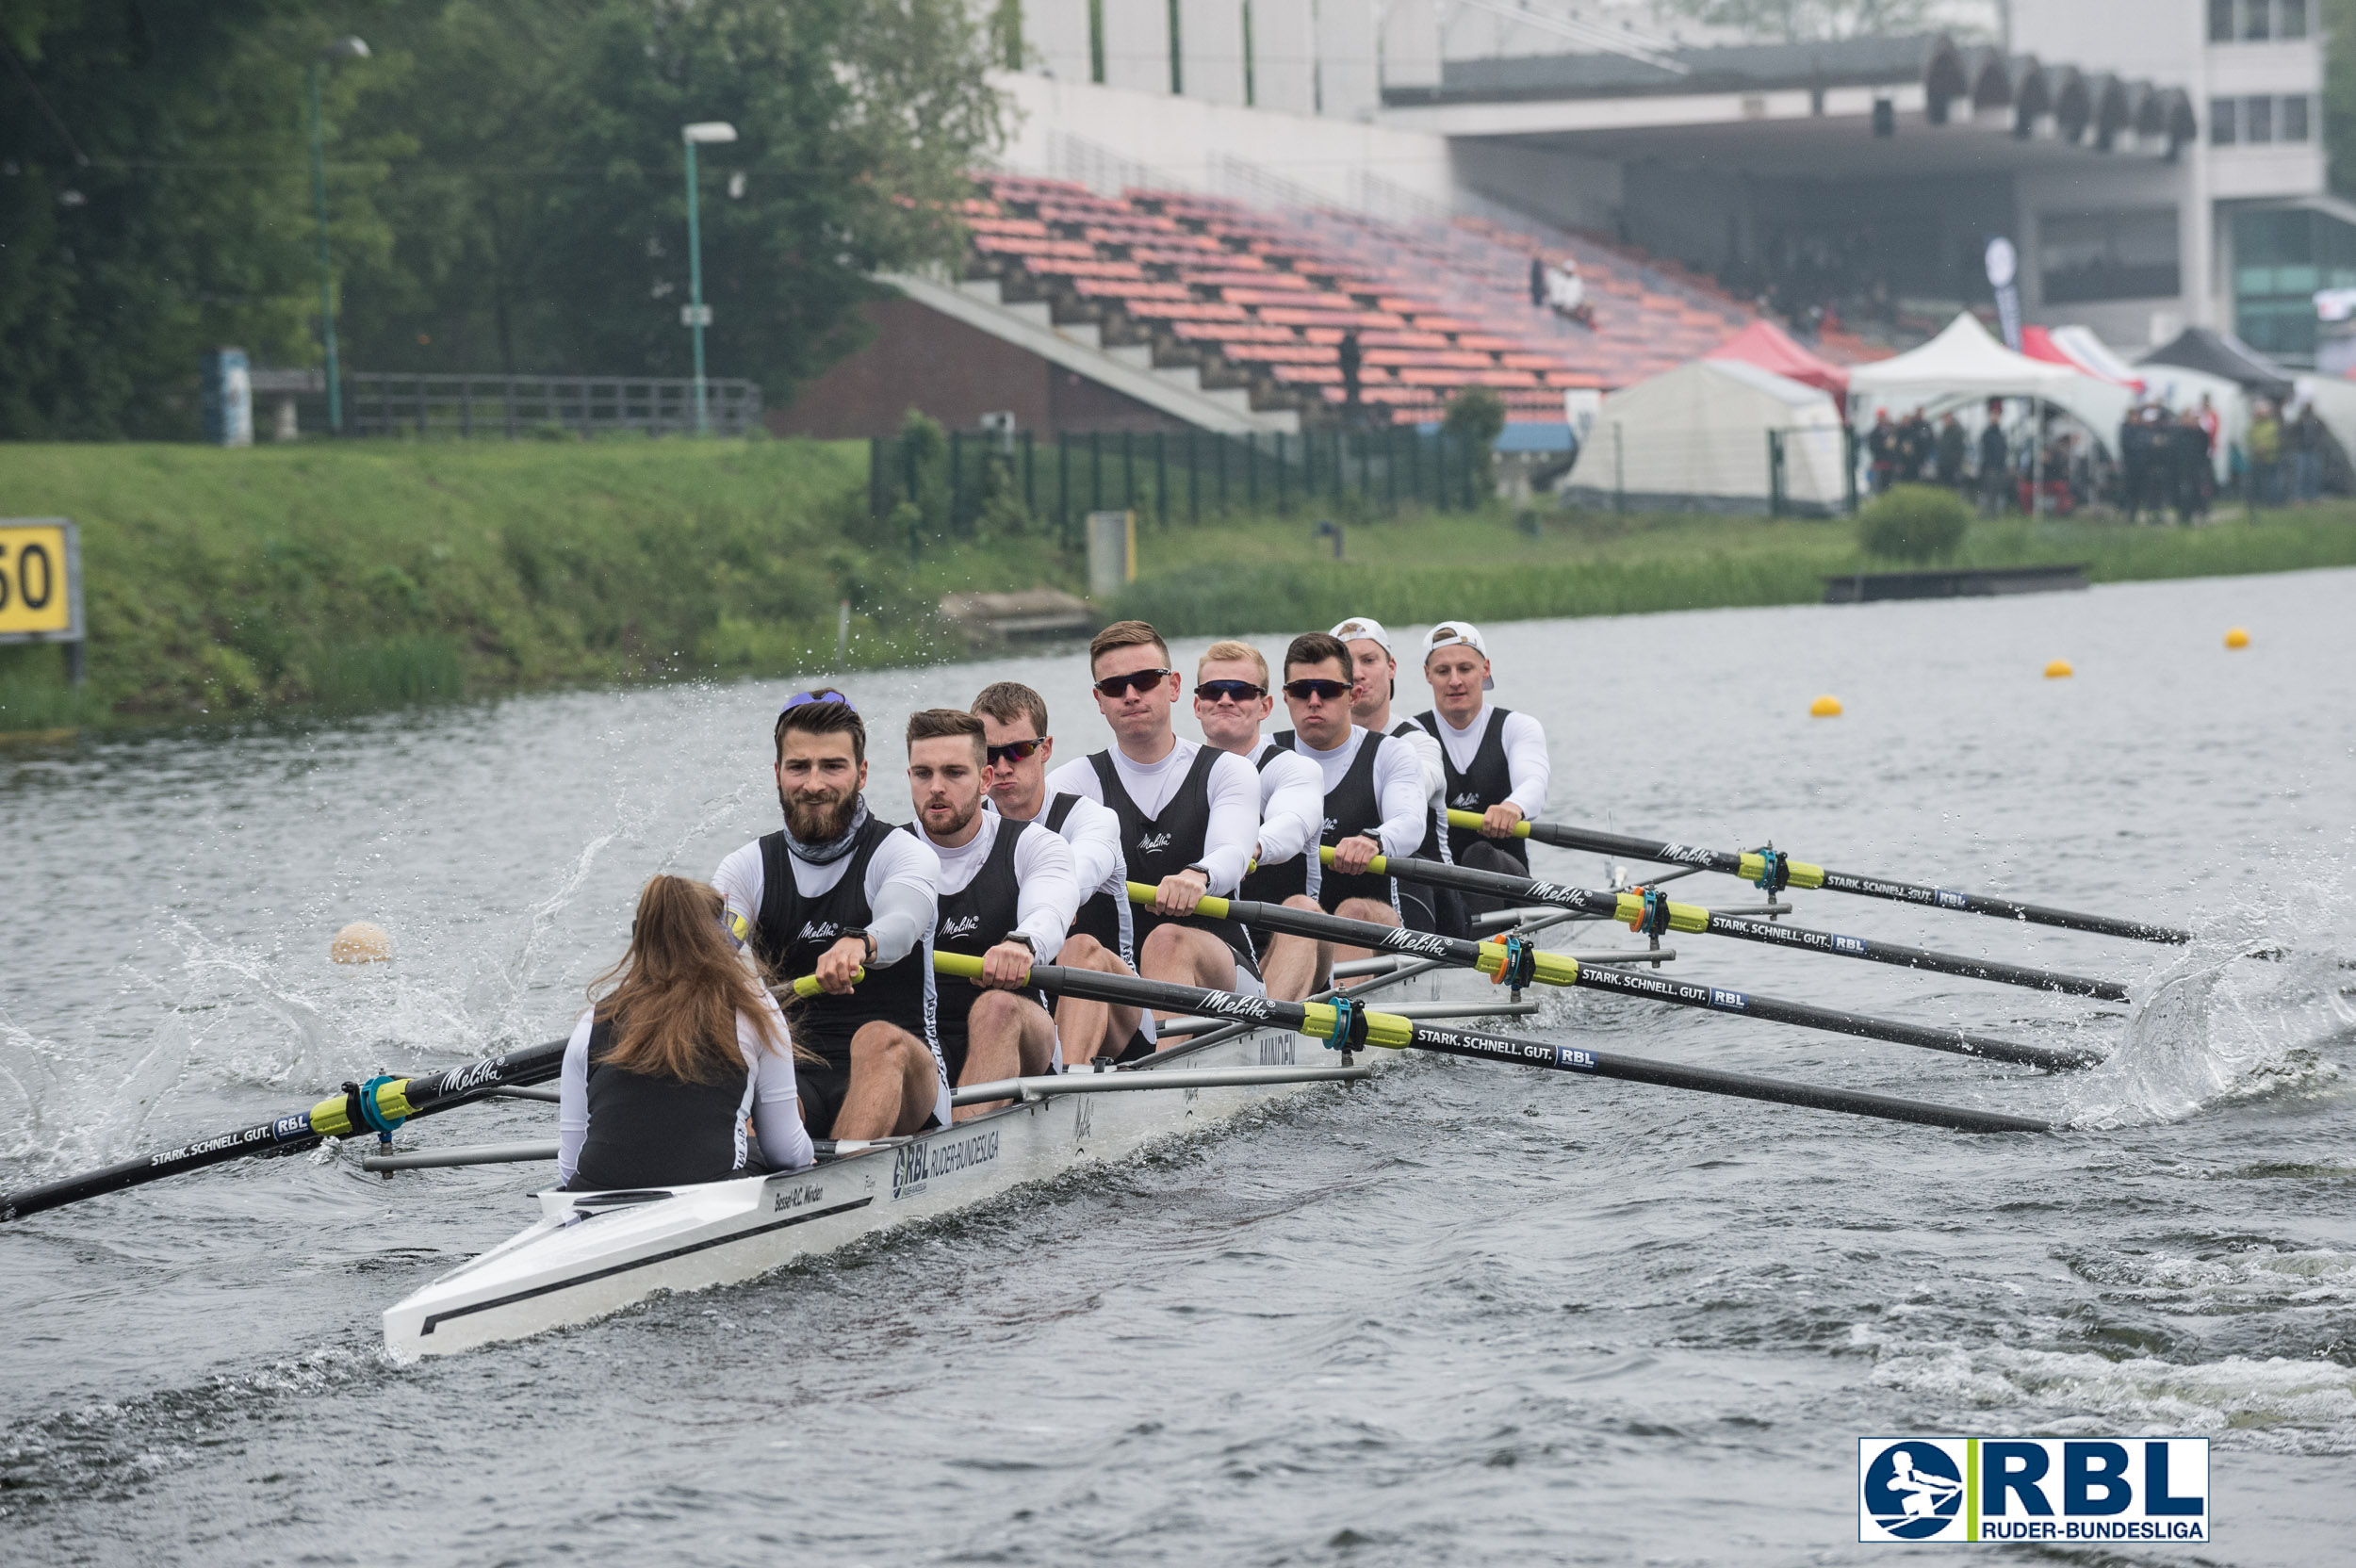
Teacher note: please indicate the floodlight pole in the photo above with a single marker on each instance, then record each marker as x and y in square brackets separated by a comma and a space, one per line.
[342, 49]
[707, 130]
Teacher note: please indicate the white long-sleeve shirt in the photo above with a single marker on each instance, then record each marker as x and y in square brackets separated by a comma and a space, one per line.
[1046, 892]
[770, 1097]
[1092, 830]
[1426, 746]
[903, 889]
[1397, 787]
[1526, 761]
[1292, 806]
[1234, 801]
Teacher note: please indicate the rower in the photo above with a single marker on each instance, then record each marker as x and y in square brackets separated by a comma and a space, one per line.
[1374, 800]
[1018, 747]
[1006, 895]
[835, 892]
[1231, 698]
[663, 1074]
[1189, 815]
[1374, 681]
[1496, 759]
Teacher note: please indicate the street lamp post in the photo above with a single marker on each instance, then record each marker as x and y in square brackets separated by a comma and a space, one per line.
[342, 49]
[697, 315]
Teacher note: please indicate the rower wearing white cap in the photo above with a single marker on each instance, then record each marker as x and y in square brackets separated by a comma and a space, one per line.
[1374, 681]
[1231, 698]
[1496, 759]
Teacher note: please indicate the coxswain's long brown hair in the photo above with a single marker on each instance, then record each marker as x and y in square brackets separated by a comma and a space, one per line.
[676, 993]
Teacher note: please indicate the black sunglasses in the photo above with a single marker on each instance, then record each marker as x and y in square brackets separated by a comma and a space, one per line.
[1020, 750]
[1136, 680]
[1233, 691]
[1329, 690]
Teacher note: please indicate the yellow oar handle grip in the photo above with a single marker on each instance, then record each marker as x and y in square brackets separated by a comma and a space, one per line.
[1212, 906]
[1474, 819]
[1378, 866]
[965, 966]
[808, 986]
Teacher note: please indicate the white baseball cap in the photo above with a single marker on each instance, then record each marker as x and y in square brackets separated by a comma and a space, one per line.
[1456, 634]
[1360, 626]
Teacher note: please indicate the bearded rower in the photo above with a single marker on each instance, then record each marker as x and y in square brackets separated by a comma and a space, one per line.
[1373, 682]
[1189, 815]
[1231, 698]
[1007, 894]
[1017, 749]
[835, 893]
[1496, 759]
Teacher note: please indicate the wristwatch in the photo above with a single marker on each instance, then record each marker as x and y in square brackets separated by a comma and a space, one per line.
[1205, 870]
[861, 933]
[1026, 941]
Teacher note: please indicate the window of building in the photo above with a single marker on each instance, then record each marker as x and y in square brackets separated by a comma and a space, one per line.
[2257, 119]
[2290, 18]
[2126, 254]
[2220, 21]
[2223, 119]
[2281, 258]
[2254, 28]
[2294, 123]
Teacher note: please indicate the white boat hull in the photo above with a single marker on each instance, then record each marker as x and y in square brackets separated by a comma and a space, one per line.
[592, 1254]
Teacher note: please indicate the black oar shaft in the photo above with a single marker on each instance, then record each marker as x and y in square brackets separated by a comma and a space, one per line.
[1560, 970]
[1688, 917]
[1091, 985]
[1804, 874]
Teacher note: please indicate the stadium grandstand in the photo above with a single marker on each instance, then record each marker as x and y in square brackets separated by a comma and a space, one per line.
[1201, 224]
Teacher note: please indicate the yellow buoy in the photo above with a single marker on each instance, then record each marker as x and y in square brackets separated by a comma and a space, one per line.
[360, 944]
[2058, 669]
[2236, 638]
[1825, 708]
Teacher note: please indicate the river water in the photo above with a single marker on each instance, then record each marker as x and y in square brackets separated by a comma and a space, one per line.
[1473, 1315]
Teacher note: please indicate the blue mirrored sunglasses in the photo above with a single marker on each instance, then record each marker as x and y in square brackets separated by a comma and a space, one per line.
[800, 699]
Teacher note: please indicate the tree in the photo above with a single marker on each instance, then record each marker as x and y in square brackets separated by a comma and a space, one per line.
[1475, 419]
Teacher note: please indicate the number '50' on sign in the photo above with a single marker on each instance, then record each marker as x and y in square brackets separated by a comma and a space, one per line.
[41, 597]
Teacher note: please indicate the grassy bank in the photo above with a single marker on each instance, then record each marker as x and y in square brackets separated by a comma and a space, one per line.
[361, 575]
[357, 576]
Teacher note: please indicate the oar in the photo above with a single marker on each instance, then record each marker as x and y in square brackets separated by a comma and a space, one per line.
[1630, 907]
[378, 1105]
[1343, 1024]
[1774, 871]
[1561, 969]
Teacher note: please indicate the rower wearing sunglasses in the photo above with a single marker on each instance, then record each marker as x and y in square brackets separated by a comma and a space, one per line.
[1017, 749]
[1374, 681]
[1496, 759]
[1006, 897]
[1231, 698]
[1189, 815]
[836, 891]
[1374, 800]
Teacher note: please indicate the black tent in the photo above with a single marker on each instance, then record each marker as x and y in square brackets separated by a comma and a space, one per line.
[2222, 354]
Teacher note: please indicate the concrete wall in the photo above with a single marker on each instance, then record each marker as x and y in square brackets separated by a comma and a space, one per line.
[955, 373]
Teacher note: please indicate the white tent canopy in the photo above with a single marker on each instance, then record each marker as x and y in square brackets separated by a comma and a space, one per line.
[1696, 437]
[1964, 364]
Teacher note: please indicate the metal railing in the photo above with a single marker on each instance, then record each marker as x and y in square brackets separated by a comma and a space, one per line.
[381, 403]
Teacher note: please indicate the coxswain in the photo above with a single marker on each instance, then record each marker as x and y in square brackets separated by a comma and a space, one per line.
[681, 1053]
[1374, 681]
[836, 891]
[1006, 895]
[1373, 786]
[1019, 748]
[1189, 815]
[1496, 759]
[1231, 698]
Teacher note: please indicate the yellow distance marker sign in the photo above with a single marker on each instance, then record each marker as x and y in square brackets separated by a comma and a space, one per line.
[41, 591]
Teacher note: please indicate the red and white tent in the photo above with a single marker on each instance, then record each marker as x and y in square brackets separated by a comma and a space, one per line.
[1770, 348]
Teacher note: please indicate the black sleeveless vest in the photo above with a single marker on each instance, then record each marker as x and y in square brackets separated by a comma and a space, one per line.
[650, 1131]
[1157, 848]
[1480, 786]
[792, 933]
[1352, 809]
[1301, 873]
[973, 921]
[1434, 845]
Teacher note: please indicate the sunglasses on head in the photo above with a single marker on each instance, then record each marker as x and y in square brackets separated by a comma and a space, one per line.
[803, 698]
[1019, 751]
[1329, 690]
[1232, 691]
[1135, 681]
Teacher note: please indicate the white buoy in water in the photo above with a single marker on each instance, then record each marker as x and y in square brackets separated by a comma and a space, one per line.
[361, 942]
